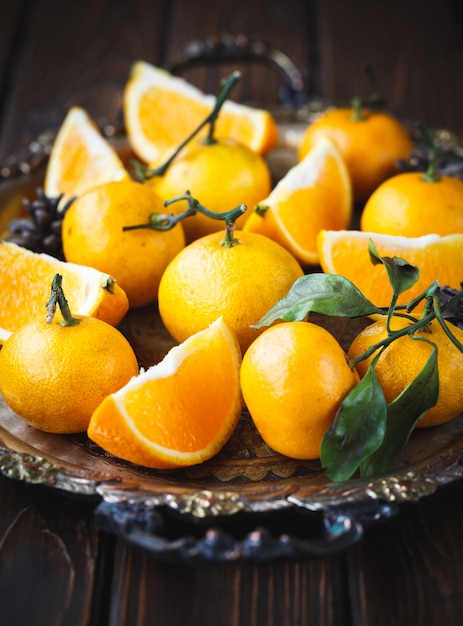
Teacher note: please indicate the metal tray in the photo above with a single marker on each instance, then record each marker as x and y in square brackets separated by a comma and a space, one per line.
[248, 503]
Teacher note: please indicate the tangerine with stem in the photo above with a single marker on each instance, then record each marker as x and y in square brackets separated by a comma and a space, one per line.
[54, 374]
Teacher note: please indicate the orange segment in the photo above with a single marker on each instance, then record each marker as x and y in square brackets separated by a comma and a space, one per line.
[179, 412]
[315, 194]
[346, 253]
[161, 110]
[80, 158]
[25, 279]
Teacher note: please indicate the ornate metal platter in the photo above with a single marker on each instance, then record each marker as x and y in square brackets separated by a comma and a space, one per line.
[248, 503]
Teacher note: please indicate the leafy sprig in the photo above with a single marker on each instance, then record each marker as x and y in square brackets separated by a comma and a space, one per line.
[368, 434]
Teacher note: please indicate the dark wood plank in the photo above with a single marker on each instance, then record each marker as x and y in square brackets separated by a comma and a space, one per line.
[416, 48]
[272, 22]
[410, 570]
[310, 592]
[76, 53]
[48, 554]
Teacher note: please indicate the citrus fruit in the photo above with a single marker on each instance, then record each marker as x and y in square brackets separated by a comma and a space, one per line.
[370, 142]
[346, 253]
[241, 281]
[179, 412]
[405, 357]
[294, 377]
[314, 194]
[408, 204]
[55, 376]
[93, 235]
[221, 175]
[25, 278]
[80, 158]
[161, 110]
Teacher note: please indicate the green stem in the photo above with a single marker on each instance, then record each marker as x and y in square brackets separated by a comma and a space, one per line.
[430, 313]
[57, 298]
[376, 98]
[357, 115]
[167, 221]
[225, 87]
[431, 175]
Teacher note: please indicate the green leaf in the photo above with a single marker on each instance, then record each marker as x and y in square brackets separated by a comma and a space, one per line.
[403, 414]
[358, 429]
[401, 274]
[329, 294]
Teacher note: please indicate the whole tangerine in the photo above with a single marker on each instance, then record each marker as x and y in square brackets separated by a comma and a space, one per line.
[405, 357]
[294, 377]
[221, 174]
[54, 375]
[412, 204]
[93, 234]
[239, 276]
[371, 143]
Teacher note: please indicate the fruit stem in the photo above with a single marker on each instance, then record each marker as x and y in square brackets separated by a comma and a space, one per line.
[432, 311]
[57, 298]
[357, 115]
[376, 98]
[431, 175]
[225, 87]
[167, 221]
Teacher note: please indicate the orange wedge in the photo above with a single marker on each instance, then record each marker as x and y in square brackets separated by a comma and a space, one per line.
[179, 412]
[346, 253]
[161, 110]
[316, 194]
[81, 158]
[25, 279]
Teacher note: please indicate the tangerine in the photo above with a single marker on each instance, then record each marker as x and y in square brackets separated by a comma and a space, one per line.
[371, 143]
[24, 284]
[412, 205]
[222, 174]
[179, 412]
[294, 377]
[54, 375]
[314, 194]
[404, 358]
[80, 158]
[345, 252]
[93, 234]
[239, 276]
[160, 110]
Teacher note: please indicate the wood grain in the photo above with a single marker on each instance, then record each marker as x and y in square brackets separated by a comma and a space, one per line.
[282, 593]
[48, 551]
[406, 44]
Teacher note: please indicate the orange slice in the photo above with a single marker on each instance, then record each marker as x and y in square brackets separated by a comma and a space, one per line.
[314, 195]
[81, 158]
[25, 279]
[346, 253]
[161, 110]
[179, 412]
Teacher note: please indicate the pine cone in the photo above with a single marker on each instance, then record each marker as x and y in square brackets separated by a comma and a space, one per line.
[41, 231]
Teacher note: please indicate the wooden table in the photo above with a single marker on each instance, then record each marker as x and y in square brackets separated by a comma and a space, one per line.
[56, 567]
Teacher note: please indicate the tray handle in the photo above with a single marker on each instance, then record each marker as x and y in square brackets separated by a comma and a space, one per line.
[166, 537]
[237, 47]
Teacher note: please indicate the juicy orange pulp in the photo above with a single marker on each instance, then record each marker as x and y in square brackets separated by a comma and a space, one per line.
[346, 253]
[179, 412]
[314, 195]
[161, 110]
[25, 279]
